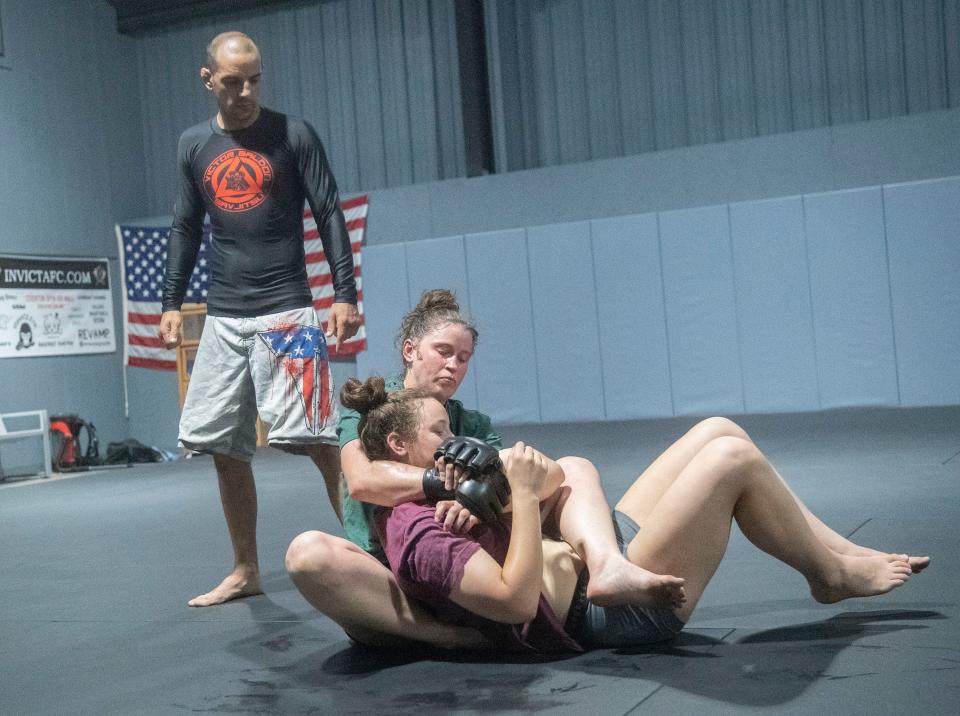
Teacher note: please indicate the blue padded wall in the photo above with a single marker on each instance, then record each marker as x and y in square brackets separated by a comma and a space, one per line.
[506, 362]
[630, 317]
[441, 263]
[385, 300]
[773, 306]
[701, 311]
[923, 236]
[565, 322]
[851, 298]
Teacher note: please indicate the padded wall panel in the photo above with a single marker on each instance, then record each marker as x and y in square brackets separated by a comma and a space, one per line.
[851, 300]
[385, 300]
[441, 263]
[565, 322]
[630, 316]
[701, 311]
[923, 236]
[505, 365]
[773, 306]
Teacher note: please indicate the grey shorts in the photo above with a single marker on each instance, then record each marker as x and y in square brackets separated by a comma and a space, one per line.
[275, 366]
[596, 627]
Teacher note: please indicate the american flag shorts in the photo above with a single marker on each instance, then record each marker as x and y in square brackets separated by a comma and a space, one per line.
[275, 366]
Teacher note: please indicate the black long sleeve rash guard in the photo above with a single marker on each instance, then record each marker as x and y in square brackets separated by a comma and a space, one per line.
[253, 184]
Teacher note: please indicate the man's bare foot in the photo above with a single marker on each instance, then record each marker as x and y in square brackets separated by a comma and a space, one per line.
[861, 576]
[238, 584]
[622, 582]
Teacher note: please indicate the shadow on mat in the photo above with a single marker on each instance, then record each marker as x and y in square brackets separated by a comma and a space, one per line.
[356, 659]
[841, 630]
[280, 631]
[764, 668]
[848, 624]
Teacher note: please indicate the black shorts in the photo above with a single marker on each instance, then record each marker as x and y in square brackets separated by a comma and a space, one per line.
[595, 627]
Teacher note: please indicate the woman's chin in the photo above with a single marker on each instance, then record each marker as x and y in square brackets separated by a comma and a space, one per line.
[445, 391]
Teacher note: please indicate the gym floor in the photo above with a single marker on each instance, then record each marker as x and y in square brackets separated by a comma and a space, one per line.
[96, 571]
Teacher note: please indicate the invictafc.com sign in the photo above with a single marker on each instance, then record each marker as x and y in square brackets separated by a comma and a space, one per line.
[17, 272]
[55, 306]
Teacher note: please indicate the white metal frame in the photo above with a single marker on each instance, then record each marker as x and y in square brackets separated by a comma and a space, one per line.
[42, 431]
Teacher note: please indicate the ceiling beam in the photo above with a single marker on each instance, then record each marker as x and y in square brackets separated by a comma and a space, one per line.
[136, 17]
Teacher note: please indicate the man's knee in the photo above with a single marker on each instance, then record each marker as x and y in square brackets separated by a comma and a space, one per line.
[326, 457]
[326, 450]
[232, 467]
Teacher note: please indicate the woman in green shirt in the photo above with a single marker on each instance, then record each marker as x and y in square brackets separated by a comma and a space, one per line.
[347, 579]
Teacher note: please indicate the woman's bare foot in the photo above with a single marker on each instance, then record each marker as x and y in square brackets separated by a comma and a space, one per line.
[622, 582]
[861, 576]
[842, 545]
[238, 584]
[917, 564]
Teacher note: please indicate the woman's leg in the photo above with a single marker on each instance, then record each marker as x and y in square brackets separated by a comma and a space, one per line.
[582, 516]
[839, 543]
[655, 480]
[685, 532]
[647, 490]
[362, 596]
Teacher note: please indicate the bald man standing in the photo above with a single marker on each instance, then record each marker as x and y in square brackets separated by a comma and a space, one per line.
[263, 349]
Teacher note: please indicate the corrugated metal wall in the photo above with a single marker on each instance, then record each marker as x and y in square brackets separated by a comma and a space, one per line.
[575, 80]
[379, 79]
[571, 80]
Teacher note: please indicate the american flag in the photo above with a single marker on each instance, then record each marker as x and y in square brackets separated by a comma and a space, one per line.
[143, 253]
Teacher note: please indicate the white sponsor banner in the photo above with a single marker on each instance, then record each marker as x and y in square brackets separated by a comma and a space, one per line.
[55, 306]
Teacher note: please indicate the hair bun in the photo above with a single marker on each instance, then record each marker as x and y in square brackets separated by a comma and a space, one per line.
[437, 308]
[366, 396]
[437, 299]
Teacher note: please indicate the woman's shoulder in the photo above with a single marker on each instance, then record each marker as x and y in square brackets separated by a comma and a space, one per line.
[464, 421]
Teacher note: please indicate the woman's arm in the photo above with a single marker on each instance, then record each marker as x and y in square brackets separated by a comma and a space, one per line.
[552, 481]
[388, 483]
[511, 593]
[379, 482]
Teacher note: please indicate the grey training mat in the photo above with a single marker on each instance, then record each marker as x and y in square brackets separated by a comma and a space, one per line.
[96, 571]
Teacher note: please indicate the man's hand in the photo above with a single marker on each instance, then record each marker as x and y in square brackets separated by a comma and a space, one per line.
[343, 322]
[171, 329]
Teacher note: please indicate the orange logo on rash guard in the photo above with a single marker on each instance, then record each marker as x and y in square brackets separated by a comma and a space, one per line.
[238, 180]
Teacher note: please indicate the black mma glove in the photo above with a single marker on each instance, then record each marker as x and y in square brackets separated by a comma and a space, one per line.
[475, 456]
[433, 487]
[486, 496]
